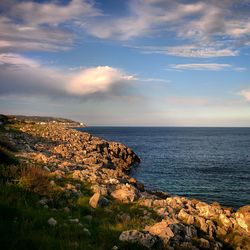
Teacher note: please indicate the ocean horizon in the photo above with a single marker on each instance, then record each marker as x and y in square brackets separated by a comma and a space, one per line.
[207, 163]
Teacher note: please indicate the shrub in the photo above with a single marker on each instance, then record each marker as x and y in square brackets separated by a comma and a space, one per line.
[36, 180]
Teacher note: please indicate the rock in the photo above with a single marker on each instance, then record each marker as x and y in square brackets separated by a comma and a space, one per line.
[185, 217]
[159, 203]
[66, 209]
[162, 230]
[142, 238]
[220, 232]
[46, 168]
[146, 202]
[43, 201]
[125, 193]
[74, 220]
[191, 231]
[225, 220]
[86, 231]
[99, 189]
[243, 217]
[204, 243]
[209, 211]
[201, 223]
[52, 221]
[124, 217]
[98, 201]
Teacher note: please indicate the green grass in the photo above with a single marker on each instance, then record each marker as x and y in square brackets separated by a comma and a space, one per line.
[23, 221]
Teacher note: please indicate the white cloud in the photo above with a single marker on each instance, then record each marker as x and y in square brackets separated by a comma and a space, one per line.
[246, 94]
[201, 66]
[192, 51]
[53, 13]
[17, 60]
[46, 26]
[197, 25]
[203, 28]
[23, 76]
[98, 79]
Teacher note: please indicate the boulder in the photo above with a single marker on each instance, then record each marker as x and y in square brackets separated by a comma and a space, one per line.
[225, 221]
[52, 221]
[243, 217]
[141, 238]
[204, 244]
[162, 230]
[98, 201]
[201, 223]
[185, 217]
[125, 193]
[99, 189]
[209, 211]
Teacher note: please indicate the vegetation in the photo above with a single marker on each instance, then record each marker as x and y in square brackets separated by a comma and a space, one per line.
[24, 218]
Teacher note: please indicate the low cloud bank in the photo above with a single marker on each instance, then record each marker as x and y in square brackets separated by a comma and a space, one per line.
[23, 76]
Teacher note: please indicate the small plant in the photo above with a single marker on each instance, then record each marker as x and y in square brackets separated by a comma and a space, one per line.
[36, 180]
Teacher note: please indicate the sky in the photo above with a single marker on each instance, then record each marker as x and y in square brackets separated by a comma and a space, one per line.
[127, 63]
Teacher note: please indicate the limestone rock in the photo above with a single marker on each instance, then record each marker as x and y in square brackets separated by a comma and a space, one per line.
[162, 230]
[243, 217]
[125, 193]
[142, 238]
[52, 221]
[98, 201]
[185, 217]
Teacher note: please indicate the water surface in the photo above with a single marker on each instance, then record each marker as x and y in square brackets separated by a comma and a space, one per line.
[211, 164]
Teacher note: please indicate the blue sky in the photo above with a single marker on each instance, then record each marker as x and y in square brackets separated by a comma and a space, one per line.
[140, 62]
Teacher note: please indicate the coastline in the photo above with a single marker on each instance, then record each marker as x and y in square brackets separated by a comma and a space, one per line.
[104, 166]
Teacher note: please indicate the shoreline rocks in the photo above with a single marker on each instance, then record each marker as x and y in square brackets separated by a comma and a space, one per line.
[105, 166]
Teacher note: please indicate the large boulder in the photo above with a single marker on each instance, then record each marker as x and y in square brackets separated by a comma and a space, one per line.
[98, 201]
[125, 193]
[141, 238]
[243, 217]
[162, 230]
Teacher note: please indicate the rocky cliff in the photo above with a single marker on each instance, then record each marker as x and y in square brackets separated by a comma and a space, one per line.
[181, 223]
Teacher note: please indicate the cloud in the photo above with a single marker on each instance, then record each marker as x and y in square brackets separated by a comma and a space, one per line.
[201, 66]
[246, 94]
[52, 13]
[197, 19]
[143, 18]
[17, 61]
[23, 76]
[46, 26]
[203, 29]
[98, 79]
[191, 51]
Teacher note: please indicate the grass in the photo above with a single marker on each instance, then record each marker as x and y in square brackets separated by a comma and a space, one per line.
[23, 221]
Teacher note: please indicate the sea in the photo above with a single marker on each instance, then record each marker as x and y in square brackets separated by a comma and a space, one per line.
[209, 164]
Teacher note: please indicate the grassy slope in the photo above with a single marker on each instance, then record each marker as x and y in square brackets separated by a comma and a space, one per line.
[23, 221]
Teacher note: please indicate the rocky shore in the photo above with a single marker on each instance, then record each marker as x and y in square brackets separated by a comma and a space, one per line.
[104, 166]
